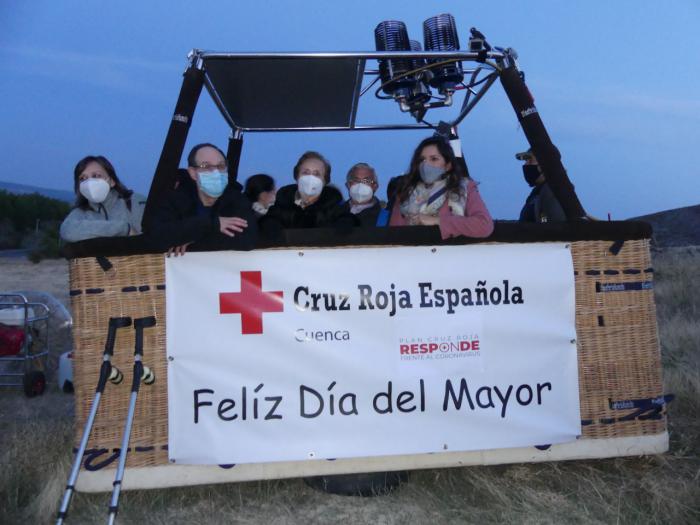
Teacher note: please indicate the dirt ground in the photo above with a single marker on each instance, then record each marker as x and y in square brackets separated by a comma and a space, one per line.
[50, 276]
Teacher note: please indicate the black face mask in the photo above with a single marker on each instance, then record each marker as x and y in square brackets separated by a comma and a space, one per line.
[531, 173]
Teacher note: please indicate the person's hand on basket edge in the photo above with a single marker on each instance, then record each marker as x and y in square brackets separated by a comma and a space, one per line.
[232, 225]
[178, 250]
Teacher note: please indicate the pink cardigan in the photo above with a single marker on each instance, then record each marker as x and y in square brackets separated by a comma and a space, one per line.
[477, 221]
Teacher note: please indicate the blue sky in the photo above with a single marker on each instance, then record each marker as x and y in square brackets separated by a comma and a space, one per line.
[616, 84]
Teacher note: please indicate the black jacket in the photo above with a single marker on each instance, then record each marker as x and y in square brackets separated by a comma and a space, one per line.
[178, 219]
[542, 206]
[368, 216]
[325, 212]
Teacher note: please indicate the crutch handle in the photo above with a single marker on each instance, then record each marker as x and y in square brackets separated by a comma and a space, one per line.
[139, 325]
[114, 324]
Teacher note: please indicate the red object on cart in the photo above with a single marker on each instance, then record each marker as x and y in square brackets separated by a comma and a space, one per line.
[11, 340]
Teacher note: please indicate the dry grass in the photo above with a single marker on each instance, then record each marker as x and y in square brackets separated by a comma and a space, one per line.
[654, 489]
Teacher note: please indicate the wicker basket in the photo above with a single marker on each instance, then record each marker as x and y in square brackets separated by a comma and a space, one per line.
[618, 348]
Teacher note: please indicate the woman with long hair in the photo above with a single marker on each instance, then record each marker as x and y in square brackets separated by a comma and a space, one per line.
[104, 207]
[438, 192]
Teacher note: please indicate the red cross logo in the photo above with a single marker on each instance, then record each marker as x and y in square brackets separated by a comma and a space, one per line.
[251, 302]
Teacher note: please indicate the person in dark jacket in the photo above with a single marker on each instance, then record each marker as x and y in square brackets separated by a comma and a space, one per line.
[361, 182]
[261, 192]
[310, 203]
[541, 205]
[209, 212]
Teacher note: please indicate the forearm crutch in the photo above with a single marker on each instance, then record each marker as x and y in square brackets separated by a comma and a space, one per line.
[144, 374]
[107, 373]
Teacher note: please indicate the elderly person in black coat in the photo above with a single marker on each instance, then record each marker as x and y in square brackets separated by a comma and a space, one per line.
[311, 202]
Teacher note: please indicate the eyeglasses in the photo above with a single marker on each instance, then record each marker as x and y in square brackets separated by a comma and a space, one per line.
[367, 180]
[205, 166]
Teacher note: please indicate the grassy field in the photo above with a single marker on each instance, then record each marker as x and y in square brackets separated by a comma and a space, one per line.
[36, 436]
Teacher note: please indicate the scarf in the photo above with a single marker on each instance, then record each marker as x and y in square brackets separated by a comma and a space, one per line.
[429, 200]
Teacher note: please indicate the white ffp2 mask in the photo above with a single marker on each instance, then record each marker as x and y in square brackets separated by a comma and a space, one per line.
[361, 192]
[310, 185]
[94, 190]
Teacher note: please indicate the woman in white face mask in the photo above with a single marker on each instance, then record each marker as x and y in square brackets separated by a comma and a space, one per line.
[310, 203]
[104, 207]
[437, 192]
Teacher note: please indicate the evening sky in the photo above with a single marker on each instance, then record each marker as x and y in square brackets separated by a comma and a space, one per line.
[616, 84]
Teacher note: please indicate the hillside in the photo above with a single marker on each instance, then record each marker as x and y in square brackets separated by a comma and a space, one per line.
[677, 227]
[21, 189]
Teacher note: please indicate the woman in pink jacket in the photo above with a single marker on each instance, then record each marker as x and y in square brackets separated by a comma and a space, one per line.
[437, 192]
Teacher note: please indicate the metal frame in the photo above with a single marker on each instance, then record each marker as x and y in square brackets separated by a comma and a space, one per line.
[15, 301]
[501, 64]
[199, 59]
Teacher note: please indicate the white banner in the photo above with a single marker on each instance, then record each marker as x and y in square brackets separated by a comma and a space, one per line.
[279, 355]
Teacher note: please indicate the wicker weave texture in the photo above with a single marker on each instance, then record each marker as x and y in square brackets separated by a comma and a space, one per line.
[618, 348]
[134, 287]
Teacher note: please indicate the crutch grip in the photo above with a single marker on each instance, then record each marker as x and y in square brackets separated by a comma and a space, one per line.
[139, 325]
[114, 323]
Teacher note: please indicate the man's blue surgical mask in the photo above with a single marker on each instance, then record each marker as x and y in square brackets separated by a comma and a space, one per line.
[213, 183]
[429, 173]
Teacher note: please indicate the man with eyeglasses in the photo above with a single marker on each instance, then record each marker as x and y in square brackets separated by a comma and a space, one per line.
[209, 212]
[361, 182]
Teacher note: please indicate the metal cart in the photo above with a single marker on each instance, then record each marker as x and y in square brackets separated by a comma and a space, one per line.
[24, 340]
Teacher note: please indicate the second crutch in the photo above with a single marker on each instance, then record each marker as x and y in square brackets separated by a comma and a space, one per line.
[107, 373]
[144, 374]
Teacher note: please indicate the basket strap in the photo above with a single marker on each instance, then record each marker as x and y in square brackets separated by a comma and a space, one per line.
[92, 455]
[104, 263]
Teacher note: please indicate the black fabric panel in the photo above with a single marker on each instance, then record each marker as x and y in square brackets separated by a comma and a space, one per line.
[271, 93]
[547, 155]
[166, 171]
[233, 158]
[504, 231]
